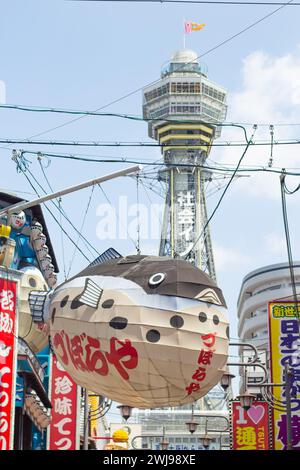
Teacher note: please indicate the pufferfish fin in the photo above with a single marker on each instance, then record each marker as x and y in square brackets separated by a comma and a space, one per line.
[91, 294]
[210, 296]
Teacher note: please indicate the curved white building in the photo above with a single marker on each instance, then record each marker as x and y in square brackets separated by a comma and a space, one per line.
[258, 288]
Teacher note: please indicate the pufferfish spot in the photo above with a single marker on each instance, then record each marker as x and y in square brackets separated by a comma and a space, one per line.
[53, 315]
[108, 303]
[202, 317]
[64, 301]
[118, 323]
[176, 321]
[153, 336]
[227, 332]
[216, 319]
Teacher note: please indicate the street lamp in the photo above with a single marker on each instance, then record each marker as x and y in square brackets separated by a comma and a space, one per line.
[226, 379]
[192, 426]
[246, 399]
[164, 443]
[206, 439]
[126, 411]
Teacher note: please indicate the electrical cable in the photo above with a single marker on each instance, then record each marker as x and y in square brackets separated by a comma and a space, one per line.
[60, 216]
[109, 202]
[62, 239]
[60, 209]
[270, 164]
[81, 228]
[288, 244]
[116, 115]
[72, 143]
[183, 65]
[53, 216]
[194, 2]
[138, 249]
[127, 95]
[147, 163]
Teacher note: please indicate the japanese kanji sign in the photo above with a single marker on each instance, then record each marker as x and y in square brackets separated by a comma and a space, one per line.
[185, 213]
[64, 416]
[8, 348]
[285, 347]
[250, 429]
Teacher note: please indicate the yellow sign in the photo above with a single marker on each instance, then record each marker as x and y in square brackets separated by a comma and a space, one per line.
[284, 347]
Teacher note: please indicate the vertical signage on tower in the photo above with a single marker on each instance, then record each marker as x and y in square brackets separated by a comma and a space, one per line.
[8, 352]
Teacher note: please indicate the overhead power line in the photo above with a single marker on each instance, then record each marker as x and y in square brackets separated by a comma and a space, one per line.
[155, 163]
[72, 143]
[201, 2]
[284, 190]
[137, 90]
[222, 195]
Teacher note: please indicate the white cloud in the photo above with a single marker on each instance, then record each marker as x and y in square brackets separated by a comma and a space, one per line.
[227, 259]
[275, 244]
[270, 94]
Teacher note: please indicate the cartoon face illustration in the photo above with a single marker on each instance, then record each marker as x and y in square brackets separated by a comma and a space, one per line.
[145, 331]
[17, 220]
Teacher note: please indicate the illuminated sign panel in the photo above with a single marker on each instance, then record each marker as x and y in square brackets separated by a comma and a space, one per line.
[8, 349]
[250, 428]
[64, 427]
[285, 347]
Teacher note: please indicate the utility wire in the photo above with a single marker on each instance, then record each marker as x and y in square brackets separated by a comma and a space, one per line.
[288, 243]
[194, 2]
[52, 215]
[61, 210]
[222, 196]
[60, 216]
[127, 95]
[131, 117]
[227, 143]
[81, 229]
[110, 203]
[162, 164]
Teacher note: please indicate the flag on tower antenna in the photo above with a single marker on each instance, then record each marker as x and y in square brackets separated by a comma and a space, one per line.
[190, 27]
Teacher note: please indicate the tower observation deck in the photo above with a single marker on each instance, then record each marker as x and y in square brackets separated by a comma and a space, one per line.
[183, 110]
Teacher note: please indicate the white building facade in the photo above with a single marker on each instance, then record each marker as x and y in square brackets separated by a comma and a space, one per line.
[260, 287]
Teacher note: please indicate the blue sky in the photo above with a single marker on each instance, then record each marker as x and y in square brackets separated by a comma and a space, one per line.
[82, 55]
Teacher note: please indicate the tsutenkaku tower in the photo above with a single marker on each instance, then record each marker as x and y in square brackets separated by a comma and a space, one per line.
[183, 110]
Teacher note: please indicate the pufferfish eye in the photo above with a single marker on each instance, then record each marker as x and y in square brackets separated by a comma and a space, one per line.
[156, 279]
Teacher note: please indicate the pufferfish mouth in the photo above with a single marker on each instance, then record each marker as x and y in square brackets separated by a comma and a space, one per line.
[160, 275]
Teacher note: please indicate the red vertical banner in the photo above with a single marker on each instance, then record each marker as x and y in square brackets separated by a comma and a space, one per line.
[63, 432]
[250, 428]
[8, 353]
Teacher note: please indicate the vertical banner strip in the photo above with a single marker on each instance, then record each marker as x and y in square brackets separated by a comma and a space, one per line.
[8, 359]
[64, 419]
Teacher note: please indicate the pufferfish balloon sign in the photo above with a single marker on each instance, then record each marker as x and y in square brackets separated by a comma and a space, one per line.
[145, 331]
